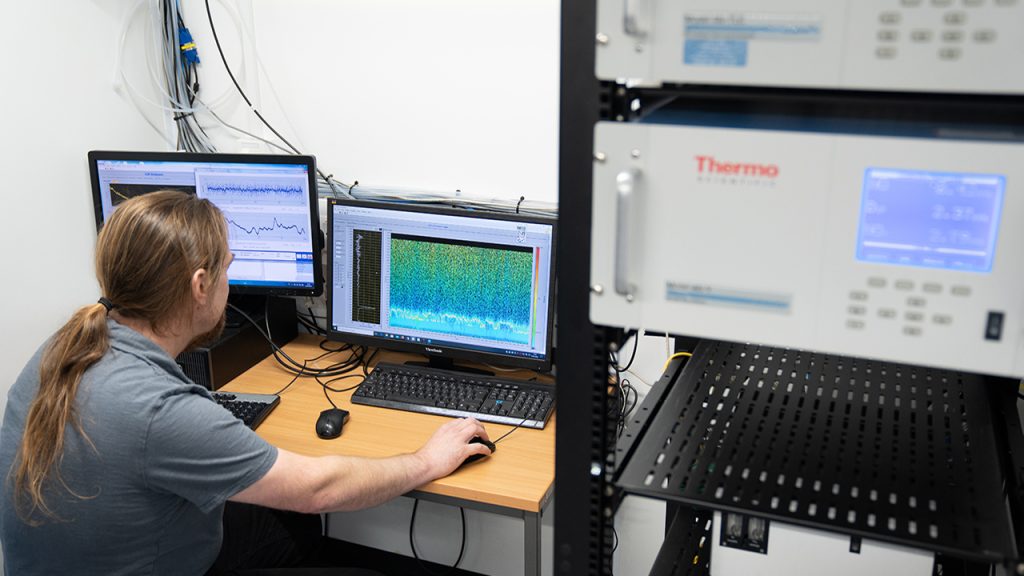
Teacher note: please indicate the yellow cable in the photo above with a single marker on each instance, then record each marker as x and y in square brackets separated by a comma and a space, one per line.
[673, 357]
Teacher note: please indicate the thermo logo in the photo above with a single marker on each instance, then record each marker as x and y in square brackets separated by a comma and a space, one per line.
[709, 166]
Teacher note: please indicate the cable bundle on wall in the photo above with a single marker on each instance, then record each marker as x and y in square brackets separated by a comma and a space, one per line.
[178, 81]
[180, 60]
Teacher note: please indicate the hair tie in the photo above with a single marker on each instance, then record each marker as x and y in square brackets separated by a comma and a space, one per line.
[106, 304]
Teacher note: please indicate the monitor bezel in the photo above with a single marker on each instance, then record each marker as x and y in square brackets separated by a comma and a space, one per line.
[539, 365]
[95, 156]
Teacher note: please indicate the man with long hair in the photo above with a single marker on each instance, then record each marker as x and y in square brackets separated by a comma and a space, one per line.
[114, 462]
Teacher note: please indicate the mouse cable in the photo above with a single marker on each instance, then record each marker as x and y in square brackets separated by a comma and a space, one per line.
[327, 384]
[326, 395]
[292, 381]
[412, 545]
[514, 428]
[357, 358]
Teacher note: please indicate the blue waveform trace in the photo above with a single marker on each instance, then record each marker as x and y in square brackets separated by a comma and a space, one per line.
[256, 192]
[257, 230]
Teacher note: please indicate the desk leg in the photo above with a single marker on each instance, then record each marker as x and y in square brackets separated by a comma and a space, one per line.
[532, 543]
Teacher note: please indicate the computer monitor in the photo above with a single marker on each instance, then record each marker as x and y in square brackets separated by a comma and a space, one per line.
[447, 283]
[269, 201]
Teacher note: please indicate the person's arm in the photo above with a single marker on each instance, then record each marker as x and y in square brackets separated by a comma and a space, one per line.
[341, 483]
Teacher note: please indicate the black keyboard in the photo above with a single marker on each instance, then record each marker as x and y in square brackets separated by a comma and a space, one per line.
[251, 409]
[446, 393]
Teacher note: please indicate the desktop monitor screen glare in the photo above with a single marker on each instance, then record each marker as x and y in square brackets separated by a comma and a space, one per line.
[269, 202]
[442, 282]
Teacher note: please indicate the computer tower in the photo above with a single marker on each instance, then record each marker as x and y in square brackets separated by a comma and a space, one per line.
[241, 345]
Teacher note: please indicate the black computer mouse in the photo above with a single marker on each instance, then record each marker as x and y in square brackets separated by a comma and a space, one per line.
[475, 457]
[330, 423]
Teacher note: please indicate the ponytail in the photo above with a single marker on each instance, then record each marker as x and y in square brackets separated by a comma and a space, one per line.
[77, 345]
[146, 254]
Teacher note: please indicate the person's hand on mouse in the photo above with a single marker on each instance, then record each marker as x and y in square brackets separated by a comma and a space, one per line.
[449, 446]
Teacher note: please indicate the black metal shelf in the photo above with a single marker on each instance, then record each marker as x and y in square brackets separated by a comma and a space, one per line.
[892, 452]
[687, 547]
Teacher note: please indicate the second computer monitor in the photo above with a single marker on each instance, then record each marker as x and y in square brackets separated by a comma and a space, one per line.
[447, 283]
[269, 202]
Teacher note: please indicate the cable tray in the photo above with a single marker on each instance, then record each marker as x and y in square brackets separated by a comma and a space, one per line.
[892, 452]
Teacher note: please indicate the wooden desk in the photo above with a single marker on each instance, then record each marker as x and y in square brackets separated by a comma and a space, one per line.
[517, 480]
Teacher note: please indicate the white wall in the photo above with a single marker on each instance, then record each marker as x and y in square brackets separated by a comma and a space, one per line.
[442, 95]
[58, 103]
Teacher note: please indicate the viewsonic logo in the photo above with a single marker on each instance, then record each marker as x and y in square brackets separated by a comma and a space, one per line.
[434, 350]
[707, 165]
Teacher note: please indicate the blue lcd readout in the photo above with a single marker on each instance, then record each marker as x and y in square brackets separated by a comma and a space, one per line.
[930, 219]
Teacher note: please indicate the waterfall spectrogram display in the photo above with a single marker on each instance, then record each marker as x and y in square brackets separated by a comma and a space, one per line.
[461, 288]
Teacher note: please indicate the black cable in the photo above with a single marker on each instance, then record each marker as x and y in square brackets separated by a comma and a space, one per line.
[366, 364]
[327, 385]
[326, 395]
[312, 318]
[615, 546]
[292, 365]
[292, 381]
[615, 407]
[636, 344]
[514, 428]
[628, 388]
[227, 67]
[342, 348]
[412, 545]
[309, 326]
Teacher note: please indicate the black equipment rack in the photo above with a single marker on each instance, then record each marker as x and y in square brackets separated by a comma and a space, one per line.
[590, 456]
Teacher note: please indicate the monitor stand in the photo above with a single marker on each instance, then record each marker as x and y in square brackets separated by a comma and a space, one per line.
[449, 364]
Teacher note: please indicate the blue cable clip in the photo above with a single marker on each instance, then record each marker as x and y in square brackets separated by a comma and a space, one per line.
[188, 47]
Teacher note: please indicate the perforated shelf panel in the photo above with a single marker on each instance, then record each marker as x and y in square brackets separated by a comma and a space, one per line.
[892, 452]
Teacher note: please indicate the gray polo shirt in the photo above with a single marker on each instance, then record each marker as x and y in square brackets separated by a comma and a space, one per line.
[166, 459]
